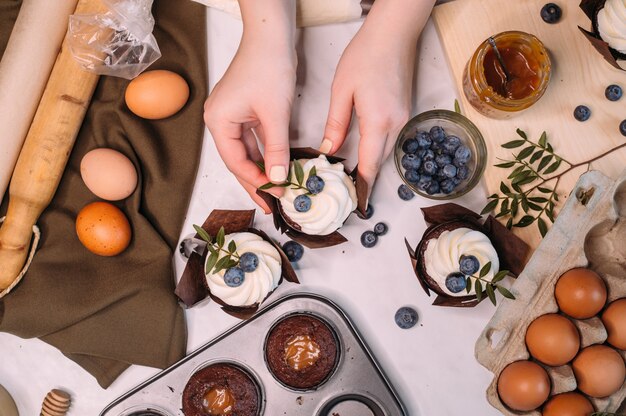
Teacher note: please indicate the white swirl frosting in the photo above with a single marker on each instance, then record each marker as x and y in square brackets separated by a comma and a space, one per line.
[612, 24]
[257, 284]
[329, 208]
[442, 255]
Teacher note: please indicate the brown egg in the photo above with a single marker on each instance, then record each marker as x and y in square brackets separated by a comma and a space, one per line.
[103, 229]
[108, 174]
[157, 94]
[599, 371]
[580, 293]
[523, 385]
[553, 339]
[568, 404]
[614, 319]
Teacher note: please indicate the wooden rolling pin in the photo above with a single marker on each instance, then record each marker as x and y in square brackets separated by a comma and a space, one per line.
[46, 150]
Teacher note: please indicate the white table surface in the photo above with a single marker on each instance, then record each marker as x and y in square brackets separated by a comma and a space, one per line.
[431, 365]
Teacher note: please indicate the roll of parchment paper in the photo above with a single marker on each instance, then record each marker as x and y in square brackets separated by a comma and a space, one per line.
[308, 12]
[24, 70]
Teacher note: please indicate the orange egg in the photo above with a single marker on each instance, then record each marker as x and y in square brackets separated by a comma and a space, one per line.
[553, 339]
[568, 404]
[599, 371]
[614, 319]
[580, 293]
[523, 385]
[103, 229]
[157, 94]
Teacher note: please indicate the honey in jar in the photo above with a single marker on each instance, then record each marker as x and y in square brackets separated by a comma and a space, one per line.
[498, 91]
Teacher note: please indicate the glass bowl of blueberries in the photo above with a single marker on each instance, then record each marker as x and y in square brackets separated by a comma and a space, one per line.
[440, 154]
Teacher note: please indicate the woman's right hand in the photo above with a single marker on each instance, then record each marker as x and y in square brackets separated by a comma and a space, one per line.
[254, 97]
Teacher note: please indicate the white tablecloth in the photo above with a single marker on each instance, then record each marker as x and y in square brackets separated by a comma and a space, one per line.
[432, 365]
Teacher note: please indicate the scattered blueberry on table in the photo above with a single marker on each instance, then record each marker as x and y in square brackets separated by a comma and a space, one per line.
[302, 203]
[234, 277]
[622, 127]
[293, 250]
[456, 282]
[405, 193]
[248, 262]
[315, 184]
[439, 164]
[582, 113]
[551, 13]
[381, 229]
[406, 317]
[613, 92]
[369, 239]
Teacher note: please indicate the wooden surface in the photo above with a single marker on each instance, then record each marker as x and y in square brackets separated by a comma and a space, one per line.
[580, 76]
[47, 147]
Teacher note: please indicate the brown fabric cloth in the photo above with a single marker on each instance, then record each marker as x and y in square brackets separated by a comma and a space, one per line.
[107, 313]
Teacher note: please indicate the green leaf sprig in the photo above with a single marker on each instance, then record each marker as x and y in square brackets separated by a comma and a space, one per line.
[490, 286]
[298, 173]
[214, 263]
[530, 193]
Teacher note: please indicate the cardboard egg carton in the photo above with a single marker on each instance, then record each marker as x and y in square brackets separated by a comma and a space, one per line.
[587, 233]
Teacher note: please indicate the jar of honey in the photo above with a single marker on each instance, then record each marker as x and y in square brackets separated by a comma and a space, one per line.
[498, 91]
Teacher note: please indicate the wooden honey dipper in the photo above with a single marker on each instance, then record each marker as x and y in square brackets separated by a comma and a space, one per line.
[56, 403]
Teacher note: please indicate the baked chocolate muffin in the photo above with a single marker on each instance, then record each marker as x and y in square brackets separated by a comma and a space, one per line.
[301, 351]
[221, 389]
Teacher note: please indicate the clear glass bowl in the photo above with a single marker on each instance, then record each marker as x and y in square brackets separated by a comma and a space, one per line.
[453, 124]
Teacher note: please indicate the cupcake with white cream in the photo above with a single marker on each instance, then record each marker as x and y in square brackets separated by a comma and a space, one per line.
[611, 24]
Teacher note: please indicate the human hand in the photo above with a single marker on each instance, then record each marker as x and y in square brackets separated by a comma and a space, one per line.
[253, 99]
[375, 76]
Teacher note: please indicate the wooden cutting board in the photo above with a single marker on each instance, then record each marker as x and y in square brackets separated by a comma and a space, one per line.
[580, 76]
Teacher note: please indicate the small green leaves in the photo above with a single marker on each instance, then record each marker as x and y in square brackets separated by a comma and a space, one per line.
[297, 170]
[486, 268]
[513, 144]
[261, 166]
[489, 207]
[219, 239]
[457, 107]
[505, 292]
[202, 233]
[490, 287]
[215, 264]
[313, 171]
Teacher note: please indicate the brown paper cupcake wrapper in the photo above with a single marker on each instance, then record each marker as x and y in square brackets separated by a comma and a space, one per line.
[286, 226]
[591, 8]
[512, 251]
[193, 286]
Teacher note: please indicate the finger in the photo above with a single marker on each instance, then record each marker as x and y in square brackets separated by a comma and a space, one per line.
[276, 146]
[252, 145]
[229, 142]
[372, 148]
[337, 122]
[251, 190]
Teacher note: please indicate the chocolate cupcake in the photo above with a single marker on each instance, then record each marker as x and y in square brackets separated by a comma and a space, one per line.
[221, 389]
[301, 351]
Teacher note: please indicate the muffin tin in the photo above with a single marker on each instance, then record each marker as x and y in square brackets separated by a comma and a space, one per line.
[588, 233]
[357, 387]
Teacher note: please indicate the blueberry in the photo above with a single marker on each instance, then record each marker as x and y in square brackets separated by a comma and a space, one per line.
[412, 176]
[468, 265]
[369, 212]
[440, 176]
[424, 182]
[369, 239]
[437, 148]
[293, 250]
[456, 282]
[450, 144]
[248, 262]
[613, 92]
[405, 193]
[234, 277]
[381, 228]
[450, 171]
[424, 140]
[622, 127]
[302, 203]
[426, 154]
[429, 167]
[462, 172]
[406, 317]
[433, 188]
[315, 184]
[410, 146]
[582, 113]
[551, 13]
[448, 185]
[443, 160]
[411, 161]
[438, 134]
[463, 154]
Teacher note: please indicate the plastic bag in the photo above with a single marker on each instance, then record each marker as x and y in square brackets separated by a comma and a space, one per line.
[118, 42]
